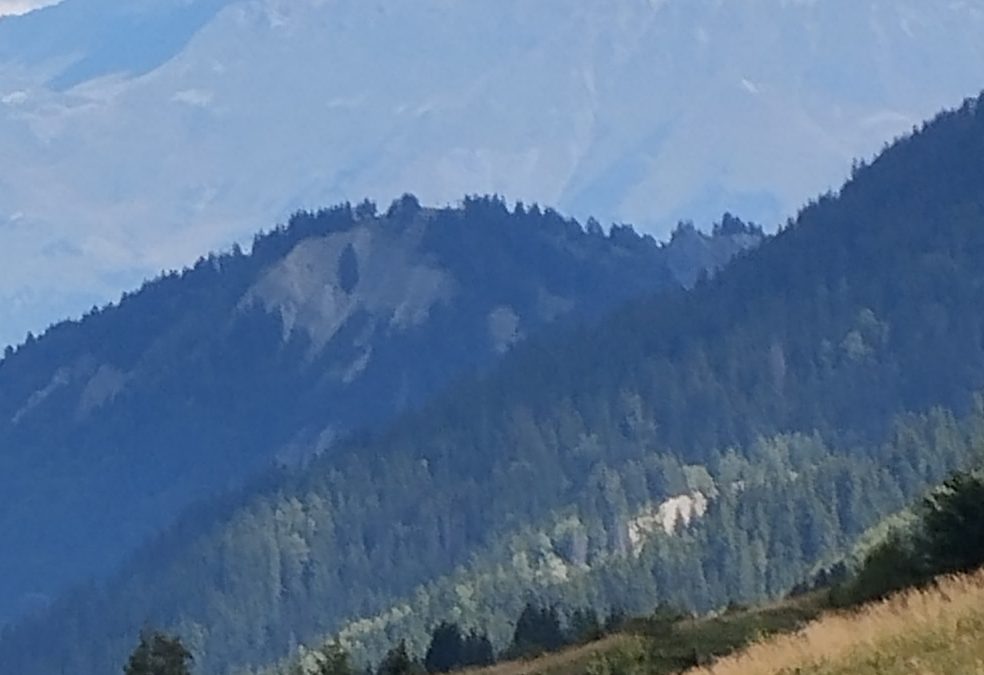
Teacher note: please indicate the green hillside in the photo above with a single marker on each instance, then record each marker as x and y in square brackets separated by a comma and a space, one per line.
[814, 387]
[911, 602]
[696, 449]
[936, 631]
[205, 379]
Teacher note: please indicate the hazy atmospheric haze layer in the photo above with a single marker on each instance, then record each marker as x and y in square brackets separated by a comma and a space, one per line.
[138, 135]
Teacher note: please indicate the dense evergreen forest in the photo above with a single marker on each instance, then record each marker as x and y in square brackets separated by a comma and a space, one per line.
[206, 378]
[697, 447]
[941, 535]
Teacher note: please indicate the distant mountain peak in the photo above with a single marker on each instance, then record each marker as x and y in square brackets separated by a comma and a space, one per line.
[145, 133]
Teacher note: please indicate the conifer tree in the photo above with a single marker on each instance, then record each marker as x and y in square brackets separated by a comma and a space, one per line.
[399, 662]
[159, 654]
[446, 648]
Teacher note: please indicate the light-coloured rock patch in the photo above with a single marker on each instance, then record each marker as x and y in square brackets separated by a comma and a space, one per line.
[675, 512]
[397, 287]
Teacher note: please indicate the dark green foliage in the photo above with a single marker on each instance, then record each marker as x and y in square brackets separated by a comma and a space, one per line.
[445, 650]
[890, 566]
[537, 630]
[659, 647]
[583, 625]
[953, 525]
[664, 618]
[477, 651]
[948, 537]
[404, 209]
[615, 620]
[348, 270]
[451, 650]
[365, 210]
[159, 654]
[692, 642]
[399, 662]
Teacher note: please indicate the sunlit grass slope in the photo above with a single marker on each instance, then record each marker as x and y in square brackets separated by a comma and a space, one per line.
[934, 631]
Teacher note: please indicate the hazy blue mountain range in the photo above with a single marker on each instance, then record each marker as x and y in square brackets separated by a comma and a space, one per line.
[137, 134]
[694, 447]
[335, 323]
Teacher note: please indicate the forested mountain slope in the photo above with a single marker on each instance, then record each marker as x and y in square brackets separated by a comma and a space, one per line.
[816, 385]
[110, 425]
[907, 611]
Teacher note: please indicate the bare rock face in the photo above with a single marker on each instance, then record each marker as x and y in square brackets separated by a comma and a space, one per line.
[324, 282]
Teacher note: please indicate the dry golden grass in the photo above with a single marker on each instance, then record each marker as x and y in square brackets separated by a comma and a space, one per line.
[937, 631]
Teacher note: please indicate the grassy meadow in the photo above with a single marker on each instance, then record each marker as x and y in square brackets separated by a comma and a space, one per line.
[935, 631]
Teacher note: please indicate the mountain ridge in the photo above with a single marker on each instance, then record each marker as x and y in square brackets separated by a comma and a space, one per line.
[205, 378]
[779, 389]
